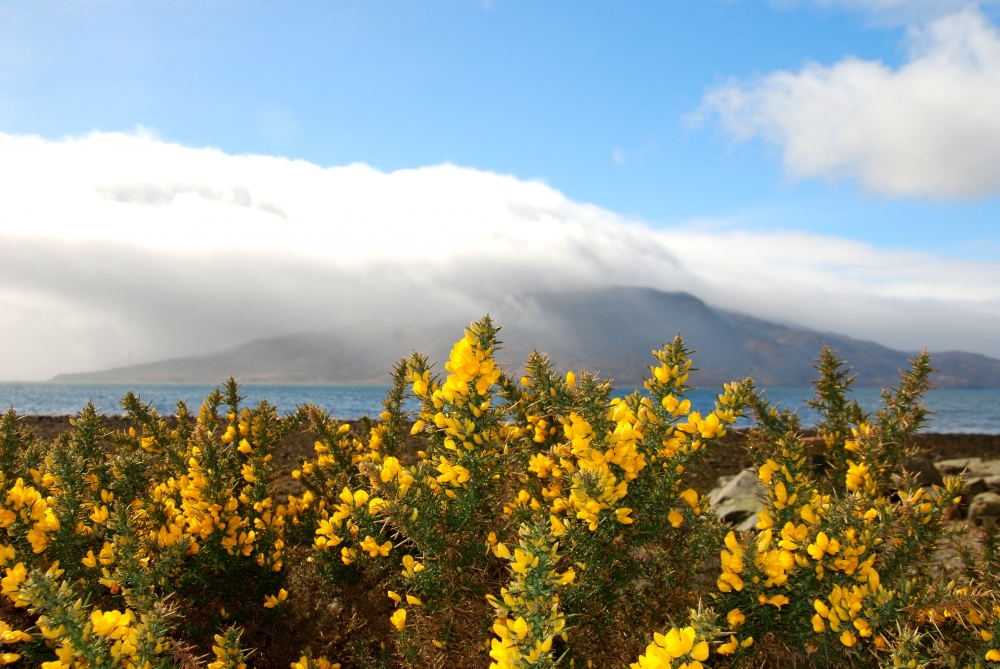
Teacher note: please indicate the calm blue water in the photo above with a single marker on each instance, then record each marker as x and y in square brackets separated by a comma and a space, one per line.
[61, 399]
[957, 411]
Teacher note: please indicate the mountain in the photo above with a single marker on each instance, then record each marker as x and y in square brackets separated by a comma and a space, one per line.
[609, 330]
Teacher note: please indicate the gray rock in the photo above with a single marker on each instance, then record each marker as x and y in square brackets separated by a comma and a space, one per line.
[972, 488]
[723, 480]
[988, 468]
[739, 500]
[972, 467]
[924, 470]
[975, 486]
[985, 507]
[957, 465]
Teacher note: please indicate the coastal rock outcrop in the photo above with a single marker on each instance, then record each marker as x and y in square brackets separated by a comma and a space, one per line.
[982, 485]
[985, 507]
[737, 500]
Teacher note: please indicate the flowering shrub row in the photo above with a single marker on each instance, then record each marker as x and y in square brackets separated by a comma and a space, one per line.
[532, 522]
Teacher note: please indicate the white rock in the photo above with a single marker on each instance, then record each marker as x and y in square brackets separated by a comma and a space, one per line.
[739, 500]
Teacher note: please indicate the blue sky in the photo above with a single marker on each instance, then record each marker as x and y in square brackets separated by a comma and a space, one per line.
[548, 90]
[864, 125]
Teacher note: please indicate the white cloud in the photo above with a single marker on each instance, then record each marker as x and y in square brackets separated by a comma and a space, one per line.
[930, 128]
[115, 246]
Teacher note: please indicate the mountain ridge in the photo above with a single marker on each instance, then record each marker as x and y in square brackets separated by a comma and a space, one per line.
[609, 330]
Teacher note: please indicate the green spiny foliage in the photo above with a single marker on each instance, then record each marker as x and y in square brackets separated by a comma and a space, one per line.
[534, 521]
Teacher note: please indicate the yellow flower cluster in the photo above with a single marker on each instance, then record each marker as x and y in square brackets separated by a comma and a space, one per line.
[843, 606]
[779, 555]
[732, 565]
[329, 524]
[458, 412]
[411, 566]
[470, 366]
[9, 636]
[682, 644]
[139, 515]
[35, 512]
[827, 537]
[118, 627]
[241, 517]
[528, 614]
[599, 471]
[111, 638]
[398, 617]
[271, 601]
[306, 662]
[10, 584]
[670, 373]
[227, 652]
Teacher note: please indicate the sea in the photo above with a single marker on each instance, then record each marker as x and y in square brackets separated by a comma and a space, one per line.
[954, 411]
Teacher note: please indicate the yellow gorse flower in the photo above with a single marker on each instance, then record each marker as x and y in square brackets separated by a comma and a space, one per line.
[674, 645]
[732, 565]
[271, 601]
[398, 619]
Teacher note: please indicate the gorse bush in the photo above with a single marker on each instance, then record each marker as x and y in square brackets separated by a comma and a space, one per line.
[529, 522]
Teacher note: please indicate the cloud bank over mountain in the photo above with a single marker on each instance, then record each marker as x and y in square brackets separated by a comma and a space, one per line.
[118, 247]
